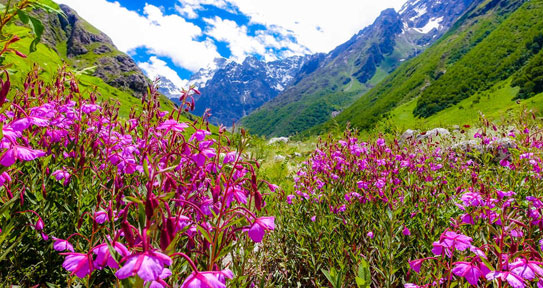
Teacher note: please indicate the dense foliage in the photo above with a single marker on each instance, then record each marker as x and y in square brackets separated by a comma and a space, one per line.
[466, 208]
[486, 46]
[530, 77]
[92, 199]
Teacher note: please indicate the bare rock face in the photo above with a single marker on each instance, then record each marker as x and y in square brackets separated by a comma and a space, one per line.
[86, 46]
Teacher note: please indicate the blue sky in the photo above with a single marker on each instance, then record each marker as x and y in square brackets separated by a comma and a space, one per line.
[175, 38]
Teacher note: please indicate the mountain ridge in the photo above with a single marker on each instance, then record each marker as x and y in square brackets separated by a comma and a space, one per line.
[356, 66]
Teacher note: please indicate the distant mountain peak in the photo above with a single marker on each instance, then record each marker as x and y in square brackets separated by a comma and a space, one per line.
[232, 90]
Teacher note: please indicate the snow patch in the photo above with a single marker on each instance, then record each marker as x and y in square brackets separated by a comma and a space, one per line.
[434, 23]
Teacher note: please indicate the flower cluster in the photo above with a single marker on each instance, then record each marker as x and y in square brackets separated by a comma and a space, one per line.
[166, 195]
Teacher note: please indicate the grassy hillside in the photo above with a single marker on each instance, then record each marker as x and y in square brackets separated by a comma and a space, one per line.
[487, 46]
[50, 61]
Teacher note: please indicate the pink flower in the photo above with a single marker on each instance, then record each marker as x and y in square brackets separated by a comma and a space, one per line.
[78, 263]
[449, 241]
[471, 272]
[148, 265]
[199, 135]
[62, 245]
[17, 152]
[89, 108]
[103, 255]
[209, 279]
[159, 283]
[230, 157]
[370, 234]
[169, 125]
[62, 174]
[290, 197]
[313, 218]
[514, 280]
[526, 269]
[259, 227]
[406, 231]
[4, 178]
[416, 264]
[101, 217]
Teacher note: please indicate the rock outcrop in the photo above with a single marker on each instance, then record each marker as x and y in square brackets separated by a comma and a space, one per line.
[83, 46]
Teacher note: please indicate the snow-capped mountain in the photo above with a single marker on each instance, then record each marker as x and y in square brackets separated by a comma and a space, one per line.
[353, 68]
[431, 18]
[232, 90]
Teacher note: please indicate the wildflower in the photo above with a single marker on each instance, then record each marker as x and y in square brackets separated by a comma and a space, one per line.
[159, 283]
[78, 263]
[449, 241]
[526, 269]
[370, 234]
[259, 227]
[101, 217]
[289, 199]
[209, 279]
[103, 255]
[62, 245]
[471, 272]
[148, 265]
[89, 108]
[199, 135]
[313, 218]
[416, 264]
[170, 125]
[4, 178]
[62, 174]
[514, 280]
[17, 152]
[406, 231]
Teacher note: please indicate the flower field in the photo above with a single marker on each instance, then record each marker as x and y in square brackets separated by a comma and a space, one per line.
[92, 199]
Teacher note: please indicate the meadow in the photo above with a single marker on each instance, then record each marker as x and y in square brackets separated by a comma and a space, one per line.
[97, 195]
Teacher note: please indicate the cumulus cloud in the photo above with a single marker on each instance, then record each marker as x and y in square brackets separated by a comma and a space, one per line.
[292, 28]
[188, 8]
[156, 67]
[320, 25]
[242, 45]
[163, 35]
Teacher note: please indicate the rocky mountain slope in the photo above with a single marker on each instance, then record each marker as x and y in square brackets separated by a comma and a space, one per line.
[350, 70]
[486, 63]
[84, 46]
[232, 90]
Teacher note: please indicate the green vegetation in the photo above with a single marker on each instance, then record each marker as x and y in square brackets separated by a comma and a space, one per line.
[50, 61]
[464, 62]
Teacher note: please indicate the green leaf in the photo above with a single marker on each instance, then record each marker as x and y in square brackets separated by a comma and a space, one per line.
[6, 205]
[37, 28]
[205, 233]
[23, 16]
[133, 199]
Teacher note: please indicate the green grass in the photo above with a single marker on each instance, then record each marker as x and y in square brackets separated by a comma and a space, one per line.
[495, 104]
[49, 61]
[426, 73]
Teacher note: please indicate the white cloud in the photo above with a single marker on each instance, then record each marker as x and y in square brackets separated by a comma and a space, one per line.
[164, 35]
[320, 25]
[293, 27]
[156, 67]
[187, 8]
[241, 44]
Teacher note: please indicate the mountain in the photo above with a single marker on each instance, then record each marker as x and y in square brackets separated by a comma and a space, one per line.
[84, 46]
[489, 62]
[232, 90]
[340, 77]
